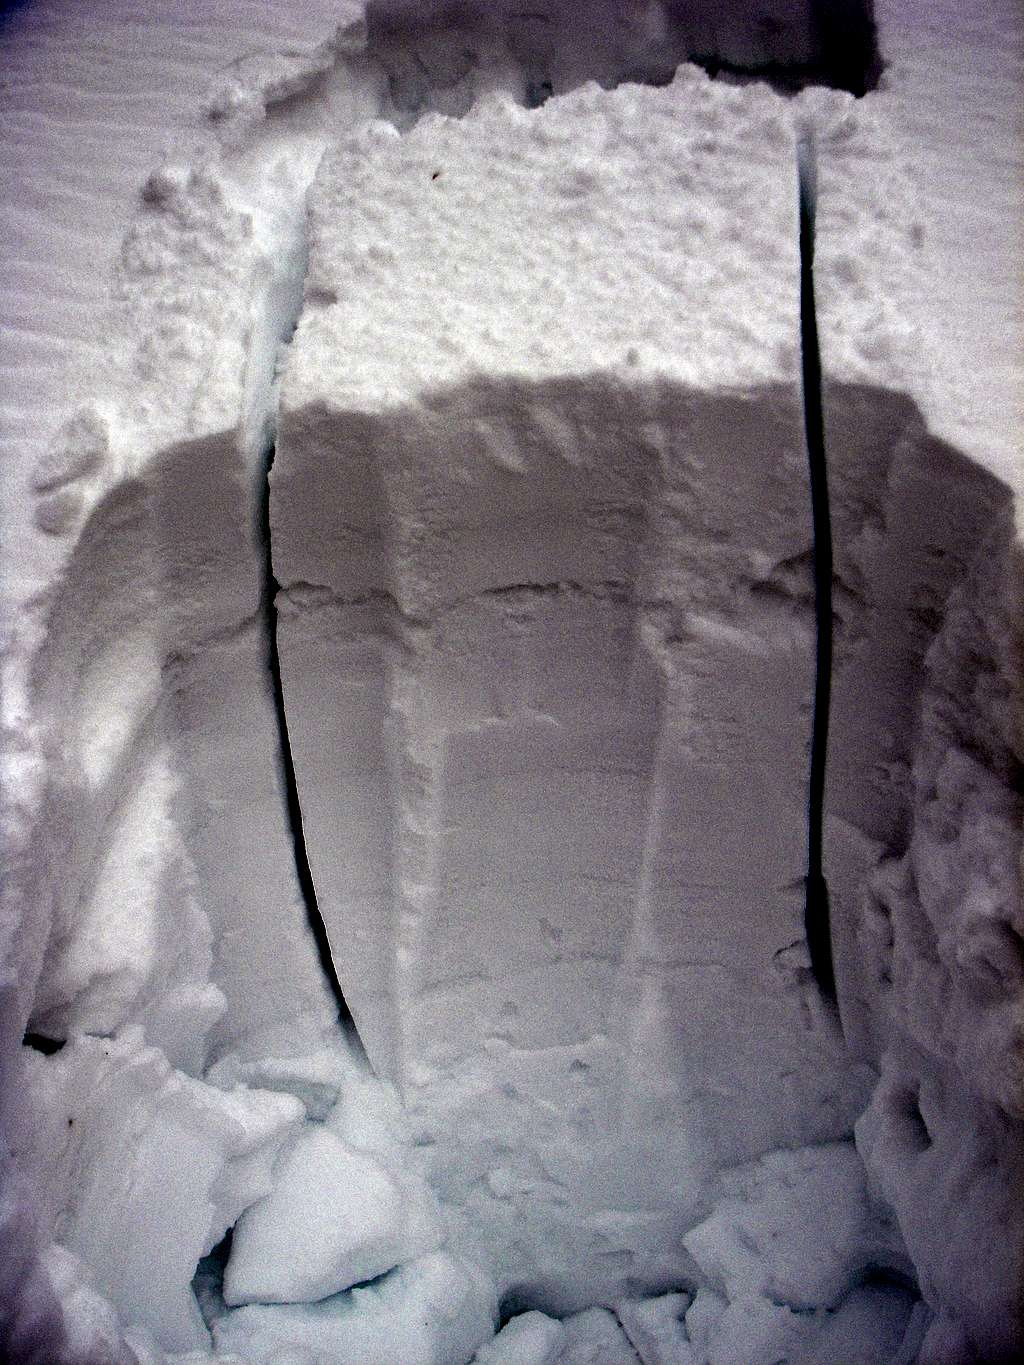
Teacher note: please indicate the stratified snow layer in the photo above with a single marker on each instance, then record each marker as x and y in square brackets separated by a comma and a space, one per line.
[540, 516]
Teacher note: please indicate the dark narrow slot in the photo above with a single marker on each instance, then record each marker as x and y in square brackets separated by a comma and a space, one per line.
[816, 905]
[303, 871]
[208, 1280]
[847, 38]
[39, 1041]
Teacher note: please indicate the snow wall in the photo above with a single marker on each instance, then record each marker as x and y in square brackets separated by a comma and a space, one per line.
[415, 693]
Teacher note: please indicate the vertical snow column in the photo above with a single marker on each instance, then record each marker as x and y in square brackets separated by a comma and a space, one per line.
[924, 804]
[165, 852]
[240, 268]
[541, 519]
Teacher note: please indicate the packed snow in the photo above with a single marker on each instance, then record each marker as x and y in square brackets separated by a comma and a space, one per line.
[409, 678]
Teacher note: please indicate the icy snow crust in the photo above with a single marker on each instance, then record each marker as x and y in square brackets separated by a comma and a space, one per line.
[539, 512]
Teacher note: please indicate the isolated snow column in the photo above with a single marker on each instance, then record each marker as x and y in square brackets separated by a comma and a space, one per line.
[540, 516]
[924, 809]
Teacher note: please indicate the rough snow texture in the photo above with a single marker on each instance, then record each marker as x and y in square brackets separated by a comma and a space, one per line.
[139, 1170]
[942, 943]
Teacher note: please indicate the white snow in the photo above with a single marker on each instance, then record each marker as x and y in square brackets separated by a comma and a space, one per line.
[433, 1310]
[766, 1238]
[334, 1219]
[543, 694]
[539, 514]
[139, 1170]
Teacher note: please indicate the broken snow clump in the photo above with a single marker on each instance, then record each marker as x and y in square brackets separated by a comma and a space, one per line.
[418, 741]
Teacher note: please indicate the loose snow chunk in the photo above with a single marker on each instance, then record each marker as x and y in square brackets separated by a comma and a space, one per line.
[147, 1168]
[529, 1339]
[593, 1337]
[754, 1331]
[657, 1329]
[796, 1228]
[435, 1311]
[334, 1219]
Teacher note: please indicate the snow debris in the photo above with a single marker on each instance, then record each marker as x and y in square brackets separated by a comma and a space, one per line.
[794, 1227]
[334, 1219]
[141, 1169]
[434, 1311]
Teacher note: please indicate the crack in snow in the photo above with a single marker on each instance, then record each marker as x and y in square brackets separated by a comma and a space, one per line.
[816, 912]
[303, 871]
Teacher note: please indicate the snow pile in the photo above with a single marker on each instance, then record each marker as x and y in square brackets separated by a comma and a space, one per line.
[345, 1208]
[139, 1170]
[784, 1265]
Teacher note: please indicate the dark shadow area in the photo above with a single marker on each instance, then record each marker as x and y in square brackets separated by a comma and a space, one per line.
[208, 1281]
[848, 42]
[821, 42]
[40, 1043]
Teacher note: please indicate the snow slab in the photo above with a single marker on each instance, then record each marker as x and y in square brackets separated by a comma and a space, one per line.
[547, 657]
[434, 1311]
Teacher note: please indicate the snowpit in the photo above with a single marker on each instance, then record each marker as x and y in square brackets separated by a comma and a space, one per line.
[512, 664]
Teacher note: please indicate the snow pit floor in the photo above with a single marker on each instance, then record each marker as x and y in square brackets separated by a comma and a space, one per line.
[408, 693]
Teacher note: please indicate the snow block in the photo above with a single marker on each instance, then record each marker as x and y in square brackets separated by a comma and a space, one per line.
[335, 1218]
[529, 1339]
[435, 1311]
[140, 1170]
[541, 521]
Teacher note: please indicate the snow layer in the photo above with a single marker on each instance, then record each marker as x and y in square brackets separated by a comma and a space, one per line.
[546, 675]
